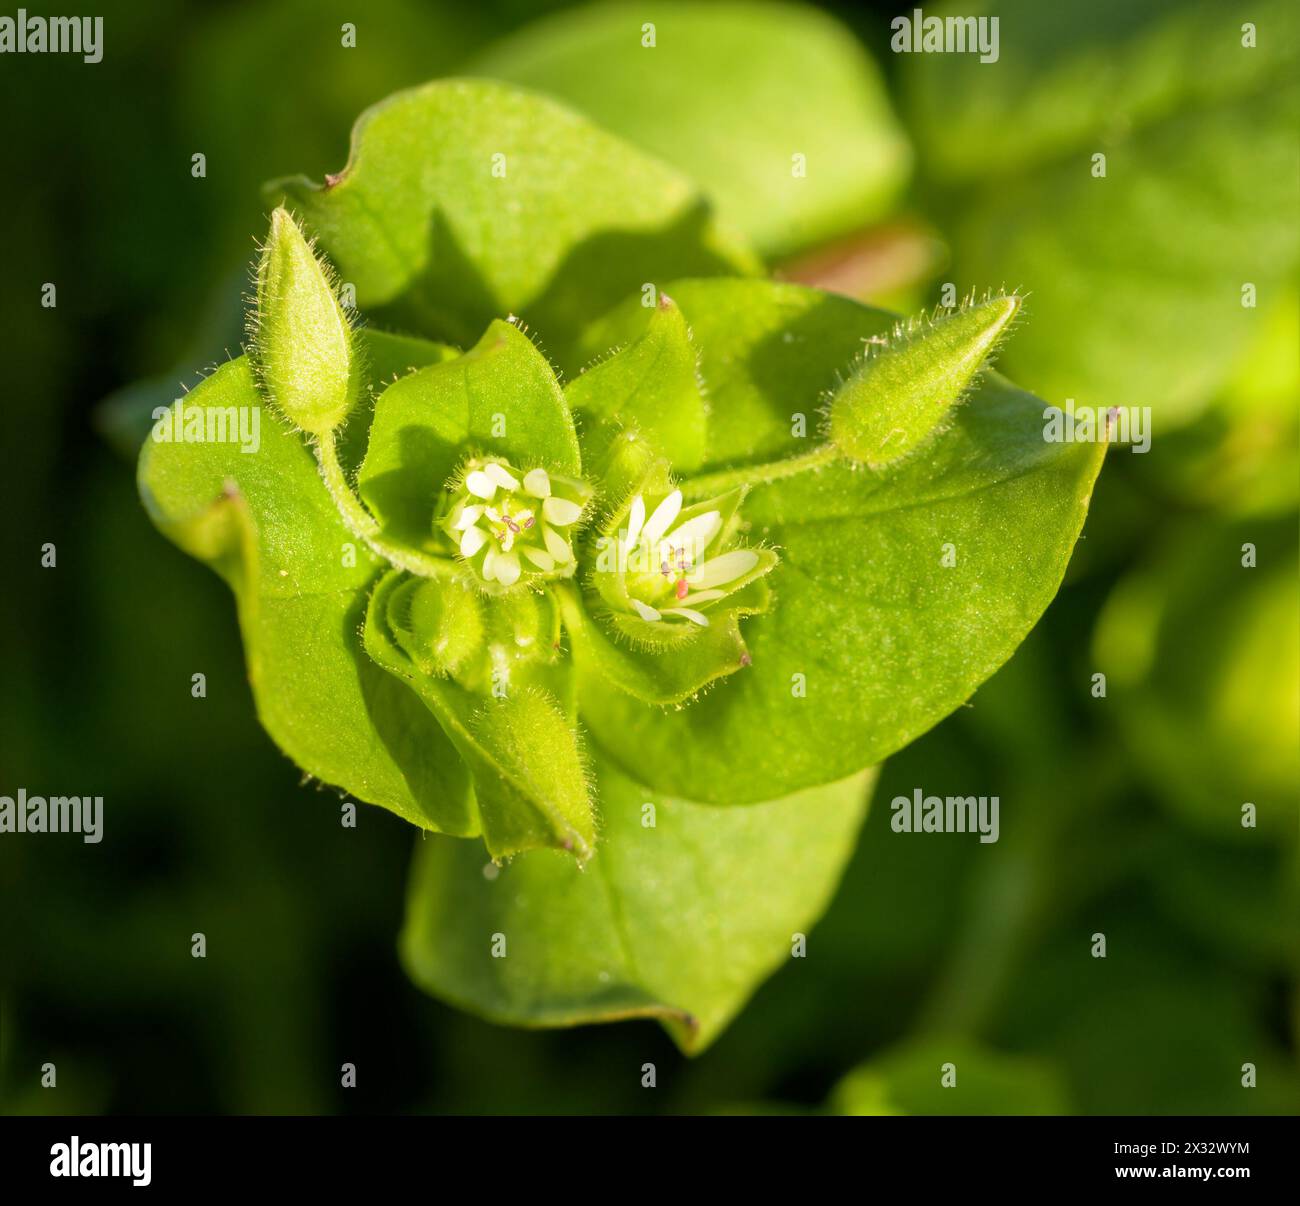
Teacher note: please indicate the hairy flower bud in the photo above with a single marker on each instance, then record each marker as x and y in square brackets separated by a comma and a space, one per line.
[303, 341]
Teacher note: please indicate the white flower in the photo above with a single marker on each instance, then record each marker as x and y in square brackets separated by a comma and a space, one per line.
[664, 561]
[506, 527]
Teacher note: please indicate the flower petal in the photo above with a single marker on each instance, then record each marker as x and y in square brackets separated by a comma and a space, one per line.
[664, 514]
[542, 559]
[718, 571]
[645, 611]
[507, 569]
[695, 534]
[480, 485]
[537, 482]
[561, 512]
[557, 546]
[501, 476]
[635, 522]
[468, 518]
[703, 596]
[686, 613]
[471, 540]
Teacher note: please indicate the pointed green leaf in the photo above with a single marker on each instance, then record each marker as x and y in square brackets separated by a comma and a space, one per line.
[682, 912]
[652, 388]
[501, 398]
[466, 200]
[769, 355]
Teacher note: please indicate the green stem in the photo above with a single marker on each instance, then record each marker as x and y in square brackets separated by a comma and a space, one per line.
[710, 484]
[364, 526]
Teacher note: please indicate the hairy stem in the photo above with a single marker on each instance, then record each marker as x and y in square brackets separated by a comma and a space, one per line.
[710, 484]
[364, 526]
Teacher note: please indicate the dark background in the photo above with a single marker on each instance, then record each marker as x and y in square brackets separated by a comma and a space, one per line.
[208, 828]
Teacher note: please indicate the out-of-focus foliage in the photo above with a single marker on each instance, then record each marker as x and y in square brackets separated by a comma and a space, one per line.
[1137, 275]
[792, 135]
[935, 1077]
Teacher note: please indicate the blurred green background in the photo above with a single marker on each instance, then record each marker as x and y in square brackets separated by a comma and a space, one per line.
[1121, 814]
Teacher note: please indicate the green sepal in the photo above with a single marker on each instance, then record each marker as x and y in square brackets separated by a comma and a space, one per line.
[519, 743]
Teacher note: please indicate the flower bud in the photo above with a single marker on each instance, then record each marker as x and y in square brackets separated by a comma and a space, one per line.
[900, 394]
[303, 343]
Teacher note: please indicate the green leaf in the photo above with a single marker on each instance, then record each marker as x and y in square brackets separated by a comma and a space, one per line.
[266, 523]
[650, 388]
[873, 636]
[465, 200]
[769, 355]
[909, 1080]
[679, 919]
[1135, 279]
[731, 121]
[302, 339]
[907, 385]
[519, 744]
[500, 397]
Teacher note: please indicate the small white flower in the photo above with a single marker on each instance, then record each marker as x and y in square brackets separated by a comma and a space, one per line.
[504, 523]
[667, 573]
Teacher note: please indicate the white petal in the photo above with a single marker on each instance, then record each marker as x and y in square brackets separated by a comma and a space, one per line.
[507, 569]
[543, 560]
[500, 476]
[695, 534]
[663, 515]
[468, 517]
[561, 512]
[480, 485]
[472, 539]
[538, 483]
[490, 563]
[644, 610]
[718, 571]
[557, 546]
[703, 596]
[635, 521]
[686, 613]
